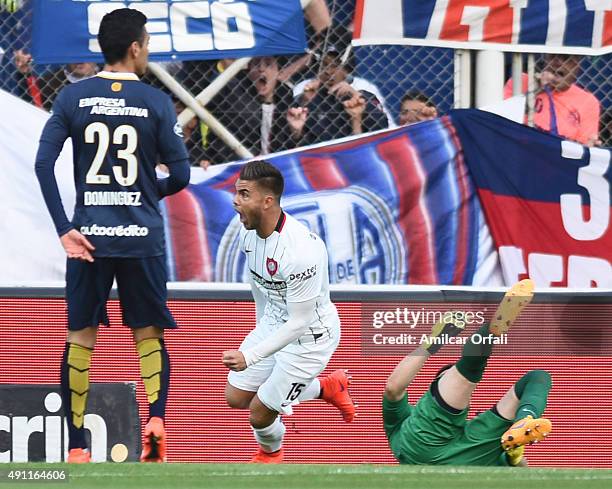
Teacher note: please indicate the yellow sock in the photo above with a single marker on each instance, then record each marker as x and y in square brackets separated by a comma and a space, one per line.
[79, 360]
[150, 353]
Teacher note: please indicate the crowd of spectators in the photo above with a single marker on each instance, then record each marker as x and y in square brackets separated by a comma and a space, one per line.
[276, 103]
[41, 90]
[279, 103]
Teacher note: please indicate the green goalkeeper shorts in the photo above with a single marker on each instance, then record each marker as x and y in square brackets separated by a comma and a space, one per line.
[429, 434]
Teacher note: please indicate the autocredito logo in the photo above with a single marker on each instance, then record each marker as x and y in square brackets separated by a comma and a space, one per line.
[132, 230]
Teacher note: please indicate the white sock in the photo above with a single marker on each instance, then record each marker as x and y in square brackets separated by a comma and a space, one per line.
[270, 438]
[313, 391]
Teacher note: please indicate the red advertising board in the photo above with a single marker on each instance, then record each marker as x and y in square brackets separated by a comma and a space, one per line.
[203, 429]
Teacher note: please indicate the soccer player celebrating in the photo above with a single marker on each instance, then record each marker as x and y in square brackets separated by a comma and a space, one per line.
[297, 328]
[436, 431]
[120, 129]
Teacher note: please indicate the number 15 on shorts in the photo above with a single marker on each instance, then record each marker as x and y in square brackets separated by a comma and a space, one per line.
[295, 391]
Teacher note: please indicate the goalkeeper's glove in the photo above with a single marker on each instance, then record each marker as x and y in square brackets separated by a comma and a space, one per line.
[451, 324]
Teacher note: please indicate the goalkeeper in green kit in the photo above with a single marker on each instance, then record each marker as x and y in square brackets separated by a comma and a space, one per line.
[436, 430]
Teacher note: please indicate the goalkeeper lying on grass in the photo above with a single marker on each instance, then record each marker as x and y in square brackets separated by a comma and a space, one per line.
[436, 430]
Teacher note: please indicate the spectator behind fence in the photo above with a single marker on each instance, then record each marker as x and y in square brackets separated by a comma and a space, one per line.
[416, 107]
[254, 111]
[41, 90]
[265, 111]
[330, 107]
[562, 107]
[332, 61]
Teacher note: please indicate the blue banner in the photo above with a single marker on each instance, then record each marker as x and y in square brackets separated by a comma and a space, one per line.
[407, 205]
[65, 30]
[393, 208]
[547, 201]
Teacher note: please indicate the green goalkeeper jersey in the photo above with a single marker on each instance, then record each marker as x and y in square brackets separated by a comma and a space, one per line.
[429, 434]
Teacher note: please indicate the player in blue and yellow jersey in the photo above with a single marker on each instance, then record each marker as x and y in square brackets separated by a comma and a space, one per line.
[120, 129]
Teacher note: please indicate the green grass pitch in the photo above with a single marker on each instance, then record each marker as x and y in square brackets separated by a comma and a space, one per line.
[234, 476]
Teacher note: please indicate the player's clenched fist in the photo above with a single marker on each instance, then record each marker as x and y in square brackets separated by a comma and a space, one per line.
[234, 360]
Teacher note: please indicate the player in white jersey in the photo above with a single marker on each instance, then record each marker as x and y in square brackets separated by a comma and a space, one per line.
[298, 328]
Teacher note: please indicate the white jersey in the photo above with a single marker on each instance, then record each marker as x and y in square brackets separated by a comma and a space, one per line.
[288, 268]
[290, 265]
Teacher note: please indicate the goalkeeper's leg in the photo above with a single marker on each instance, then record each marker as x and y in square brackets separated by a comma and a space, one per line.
[454, 389]
[524, 404]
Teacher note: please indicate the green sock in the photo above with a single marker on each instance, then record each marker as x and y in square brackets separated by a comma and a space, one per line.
[532, 390]
[475, 355]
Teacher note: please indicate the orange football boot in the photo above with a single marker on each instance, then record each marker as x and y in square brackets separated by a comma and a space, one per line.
[334, 391]
[79, 456]
[262, 457]
[154, 443]
[526, 431]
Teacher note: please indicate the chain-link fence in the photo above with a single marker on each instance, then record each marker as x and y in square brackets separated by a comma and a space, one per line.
[568, 95]
[278, 103]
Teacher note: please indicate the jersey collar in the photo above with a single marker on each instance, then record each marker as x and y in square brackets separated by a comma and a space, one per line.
[281, 222]
[111, 75]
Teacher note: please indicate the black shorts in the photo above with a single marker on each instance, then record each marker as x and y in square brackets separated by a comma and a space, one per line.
[141, 283]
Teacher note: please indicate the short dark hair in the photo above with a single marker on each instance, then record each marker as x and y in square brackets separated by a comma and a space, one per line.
[266, 175]
[118, 30]
[348, 64]
[419, 96]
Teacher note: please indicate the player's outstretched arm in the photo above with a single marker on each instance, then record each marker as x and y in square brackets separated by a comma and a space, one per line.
[404, 373]
[44, 167]
[451, 324]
